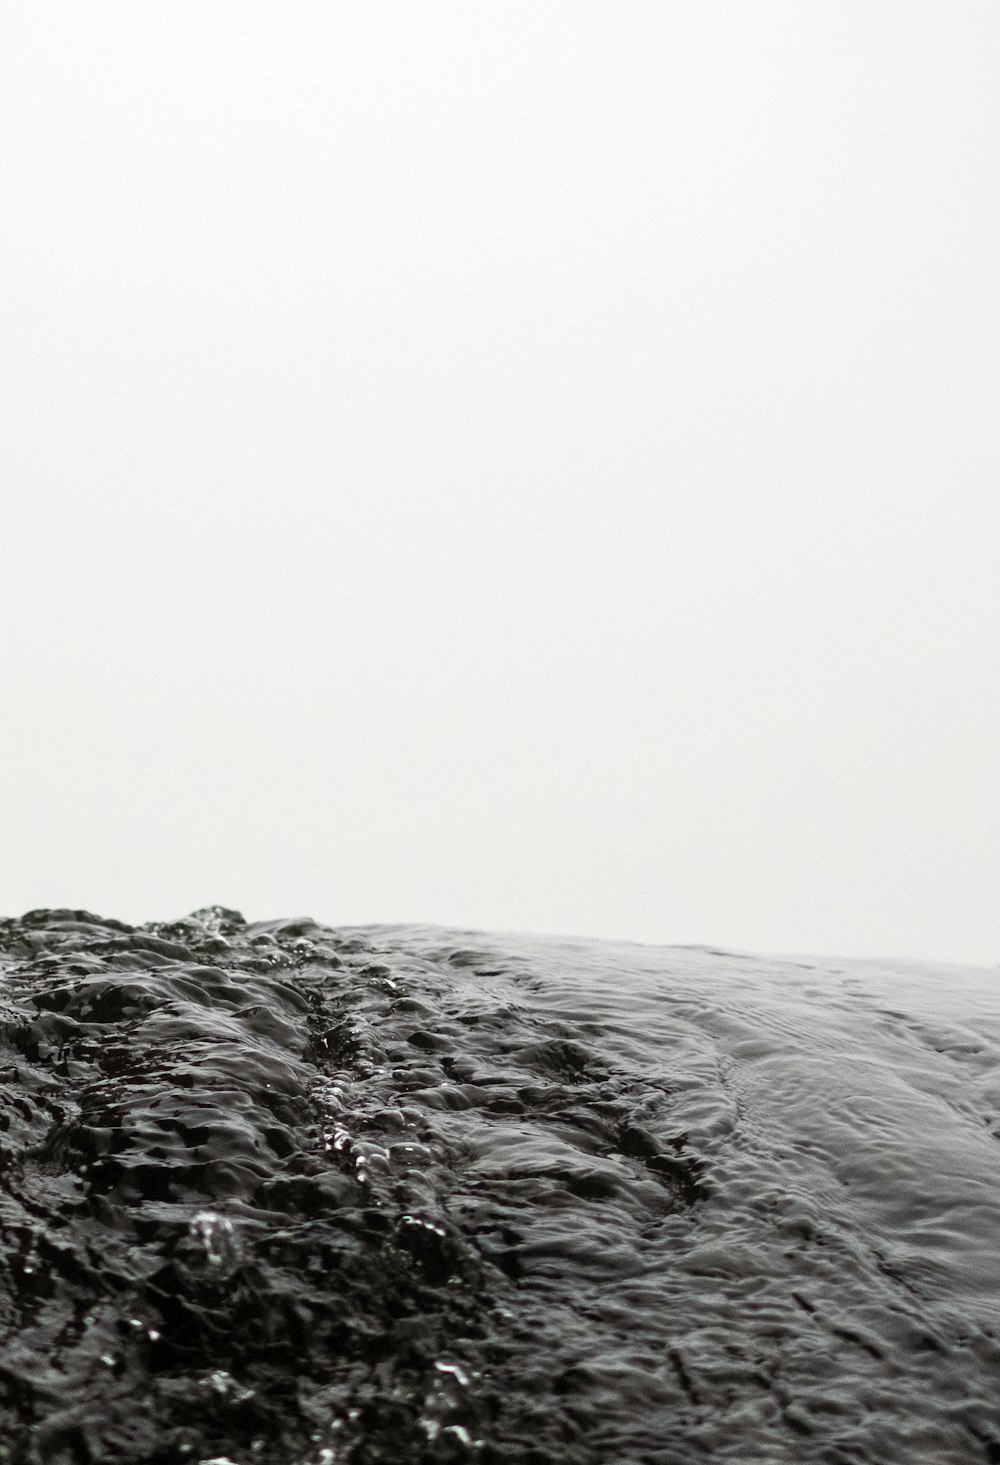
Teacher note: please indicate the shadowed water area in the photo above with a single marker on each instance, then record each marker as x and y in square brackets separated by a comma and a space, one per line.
[275, 1192]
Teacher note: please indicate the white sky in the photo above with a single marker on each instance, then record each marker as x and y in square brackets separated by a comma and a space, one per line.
[520, 465]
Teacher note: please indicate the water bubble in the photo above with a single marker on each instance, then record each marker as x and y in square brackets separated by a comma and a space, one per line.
[215, 1242]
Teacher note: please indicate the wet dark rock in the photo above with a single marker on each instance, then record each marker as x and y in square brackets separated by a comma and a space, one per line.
[273, 1192]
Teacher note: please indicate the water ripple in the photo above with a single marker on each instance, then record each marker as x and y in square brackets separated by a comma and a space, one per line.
[276, 1192]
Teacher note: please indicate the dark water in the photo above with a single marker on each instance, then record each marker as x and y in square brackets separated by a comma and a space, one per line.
[279, 1193]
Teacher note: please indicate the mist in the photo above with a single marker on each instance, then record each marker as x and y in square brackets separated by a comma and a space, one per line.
[524, 466]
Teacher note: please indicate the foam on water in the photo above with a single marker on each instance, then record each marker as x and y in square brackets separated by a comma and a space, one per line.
[275, 1192]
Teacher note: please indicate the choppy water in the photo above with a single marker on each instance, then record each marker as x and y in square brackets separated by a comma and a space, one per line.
[280, 1193]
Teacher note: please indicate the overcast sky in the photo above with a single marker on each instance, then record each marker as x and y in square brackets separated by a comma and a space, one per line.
[518, 465]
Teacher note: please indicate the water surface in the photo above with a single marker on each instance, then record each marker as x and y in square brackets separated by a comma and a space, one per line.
[277, 1192]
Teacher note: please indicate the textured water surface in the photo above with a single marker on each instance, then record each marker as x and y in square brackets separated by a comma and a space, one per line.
[273, 1192]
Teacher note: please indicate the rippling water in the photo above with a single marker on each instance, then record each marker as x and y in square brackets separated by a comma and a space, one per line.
[273, 1192]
